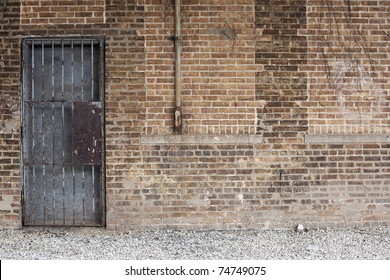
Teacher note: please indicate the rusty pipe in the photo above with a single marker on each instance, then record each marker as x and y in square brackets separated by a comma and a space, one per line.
[178, 104]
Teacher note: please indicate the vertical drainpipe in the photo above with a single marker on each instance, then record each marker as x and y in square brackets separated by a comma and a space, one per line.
[178, 106]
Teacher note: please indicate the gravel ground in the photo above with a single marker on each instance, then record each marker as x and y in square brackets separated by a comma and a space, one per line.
[76, 243]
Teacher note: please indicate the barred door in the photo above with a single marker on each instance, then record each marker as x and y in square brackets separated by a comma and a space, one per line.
[62, 93]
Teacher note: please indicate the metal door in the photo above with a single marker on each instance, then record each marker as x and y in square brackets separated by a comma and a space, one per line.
[62, 118]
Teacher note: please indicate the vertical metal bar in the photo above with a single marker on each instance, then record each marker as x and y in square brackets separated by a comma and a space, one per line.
[101, 73]
[82, 70]
[32, 103]
[74, 194]
[63, 129]
[82, 98]
[25, 151]
[44, 192]
[53, 131]
[43, 131]
[43, 70]
[62, 70]
[32, 70]
[101, 97]
[72, 108]
[32, 117]
[35, 195]
[52, 69]
[83, 190]
[72, 68]
[63, 194]
[93, 189]
[92, 72]
[25, 70]
[63, 162]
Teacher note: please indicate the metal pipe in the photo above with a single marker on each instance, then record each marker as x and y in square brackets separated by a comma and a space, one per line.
[178, 105]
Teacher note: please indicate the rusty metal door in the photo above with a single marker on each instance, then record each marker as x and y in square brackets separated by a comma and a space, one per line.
[62, 118]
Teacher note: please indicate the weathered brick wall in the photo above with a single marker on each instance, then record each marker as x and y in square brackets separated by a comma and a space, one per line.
[125, 100]
[217, 66]
[284, 108]
[10, 209]
[48, 12]
[348, 65]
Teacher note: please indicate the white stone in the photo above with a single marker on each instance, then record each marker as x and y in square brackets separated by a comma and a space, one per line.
[300, 228]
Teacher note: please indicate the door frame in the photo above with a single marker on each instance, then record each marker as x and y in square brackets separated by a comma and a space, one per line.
[23, 46]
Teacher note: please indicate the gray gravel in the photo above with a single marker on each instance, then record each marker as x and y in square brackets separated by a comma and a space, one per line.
[76, 243]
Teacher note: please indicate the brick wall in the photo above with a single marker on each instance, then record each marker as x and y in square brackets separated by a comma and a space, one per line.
[10, 209]
[49, 12]
[284, 108]
[347, 68]
[349, 62]
[217, 66]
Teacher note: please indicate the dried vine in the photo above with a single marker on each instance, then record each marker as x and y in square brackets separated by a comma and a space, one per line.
[350, 68]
